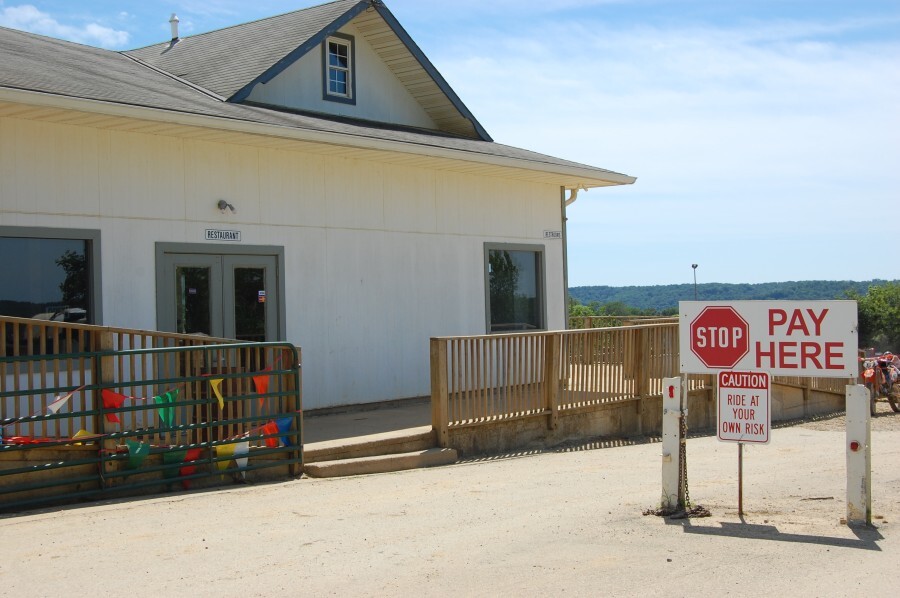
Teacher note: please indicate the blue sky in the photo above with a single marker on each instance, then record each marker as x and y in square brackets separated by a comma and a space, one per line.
[765, 134]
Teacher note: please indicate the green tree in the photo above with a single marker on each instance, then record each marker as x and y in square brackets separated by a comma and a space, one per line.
[879, 316]
[617, 308]
[577, 313]
[74, 287]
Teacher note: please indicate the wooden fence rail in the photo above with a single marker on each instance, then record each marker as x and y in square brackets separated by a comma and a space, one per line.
[55, 355]
[488, 378]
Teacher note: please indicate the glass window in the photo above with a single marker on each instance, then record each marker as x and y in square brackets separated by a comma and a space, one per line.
[250, 304]
[192, 296]
[515, 290]
[48, 279]
[337, 82]
[338, 54]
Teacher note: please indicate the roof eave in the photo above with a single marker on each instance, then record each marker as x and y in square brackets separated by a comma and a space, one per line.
[570, 176]
[426, 64]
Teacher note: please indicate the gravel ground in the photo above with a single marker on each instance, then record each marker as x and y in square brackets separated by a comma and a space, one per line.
[884, 420]
[566, 522]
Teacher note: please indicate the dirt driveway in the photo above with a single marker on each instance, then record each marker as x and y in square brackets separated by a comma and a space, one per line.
[552, 523]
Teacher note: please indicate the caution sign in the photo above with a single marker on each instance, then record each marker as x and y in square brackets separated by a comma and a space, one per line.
[744, 413]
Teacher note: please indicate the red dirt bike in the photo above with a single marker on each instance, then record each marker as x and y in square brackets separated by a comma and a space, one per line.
[882, 377]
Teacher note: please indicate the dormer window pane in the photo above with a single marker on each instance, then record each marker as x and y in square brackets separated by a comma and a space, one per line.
[337, 55]
[337, 82]
[339, 73]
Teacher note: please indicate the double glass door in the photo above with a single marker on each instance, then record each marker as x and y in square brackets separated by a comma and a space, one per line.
[230, 296]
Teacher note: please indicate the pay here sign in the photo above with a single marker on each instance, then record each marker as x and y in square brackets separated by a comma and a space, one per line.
[785, 338]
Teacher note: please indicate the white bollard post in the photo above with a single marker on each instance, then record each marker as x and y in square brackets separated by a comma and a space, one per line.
[671, 447]
[859, 456]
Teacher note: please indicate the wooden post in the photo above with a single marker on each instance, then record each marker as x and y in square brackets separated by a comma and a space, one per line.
[294, 405]
[806, 385]
[628, 353]
[301, 429]
[439, 392]
[104, 342]
[641, 354]
[552, 378]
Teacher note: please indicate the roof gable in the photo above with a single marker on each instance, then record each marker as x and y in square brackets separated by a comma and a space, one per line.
[231, 62]
[378, 95]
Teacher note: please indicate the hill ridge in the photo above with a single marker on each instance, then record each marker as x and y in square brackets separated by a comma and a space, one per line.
[660, 297]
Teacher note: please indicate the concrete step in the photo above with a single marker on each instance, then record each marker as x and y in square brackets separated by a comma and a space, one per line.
[386, 443]
[381, 464]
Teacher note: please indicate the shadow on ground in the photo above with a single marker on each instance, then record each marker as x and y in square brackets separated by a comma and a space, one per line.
[866, 537]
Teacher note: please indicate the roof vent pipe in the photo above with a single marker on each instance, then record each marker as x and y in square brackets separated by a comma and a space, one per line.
[174, 23]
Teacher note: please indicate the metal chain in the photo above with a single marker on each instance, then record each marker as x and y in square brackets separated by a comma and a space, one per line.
[683, 462]
[681, 511]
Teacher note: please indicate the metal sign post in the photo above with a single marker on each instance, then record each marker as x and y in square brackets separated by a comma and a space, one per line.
[740, 479]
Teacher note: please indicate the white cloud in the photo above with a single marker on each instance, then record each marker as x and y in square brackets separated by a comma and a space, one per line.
[727, 103]
[772, 135]
[28, 18]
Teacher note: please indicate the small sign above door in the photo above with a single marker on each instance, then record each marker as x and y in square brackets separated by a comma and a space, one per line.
[214, 234]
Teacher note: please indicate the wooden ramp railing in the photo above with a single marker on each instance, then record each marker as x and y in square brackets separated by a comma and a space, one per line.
[484, 379]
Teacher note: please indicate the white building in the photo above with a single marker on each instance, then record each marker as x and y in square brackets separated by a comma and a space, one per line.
[309, 177]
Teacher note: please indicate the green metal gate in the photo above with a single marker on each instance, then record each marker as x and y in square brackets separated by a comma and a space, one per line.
[139, 421]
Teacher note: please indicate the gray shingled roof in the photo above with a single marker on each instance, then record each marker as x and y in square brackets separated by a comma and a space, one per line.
[226, 60]
[35, 63]
[230, 62]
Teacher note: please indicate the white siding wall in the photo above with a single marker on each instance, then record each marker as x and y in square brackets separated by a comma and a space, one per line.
[380, 96]
[378, 258]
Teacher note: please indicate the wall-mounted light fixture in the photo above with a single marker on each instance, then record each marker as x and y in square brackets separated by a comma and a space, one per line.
[224, 205]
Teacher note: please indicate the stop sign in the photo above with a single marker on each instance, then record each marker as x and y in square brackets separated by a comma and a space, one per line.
[720, 337]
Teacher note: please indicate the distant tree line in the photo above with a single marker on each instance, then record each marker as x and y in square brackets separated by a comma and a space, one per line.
[614, 309]
[605, 315]
[878, 301]
[666, 297]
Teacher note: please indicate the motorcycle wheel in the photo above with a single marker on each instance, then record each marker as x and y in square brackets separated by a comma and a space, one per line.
[894, 397]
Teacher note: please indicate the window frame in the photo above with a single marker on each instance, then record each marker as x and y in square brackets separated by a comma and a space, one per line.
[92, 239]
[539, 276]
[350, 42]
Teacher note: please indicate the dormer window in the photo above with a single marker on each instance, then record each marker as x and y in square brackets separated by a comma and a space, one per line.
[338, 68]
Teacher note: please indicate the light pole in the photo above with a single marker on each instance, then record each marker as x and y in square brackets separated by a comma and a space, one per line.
[694, 266]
